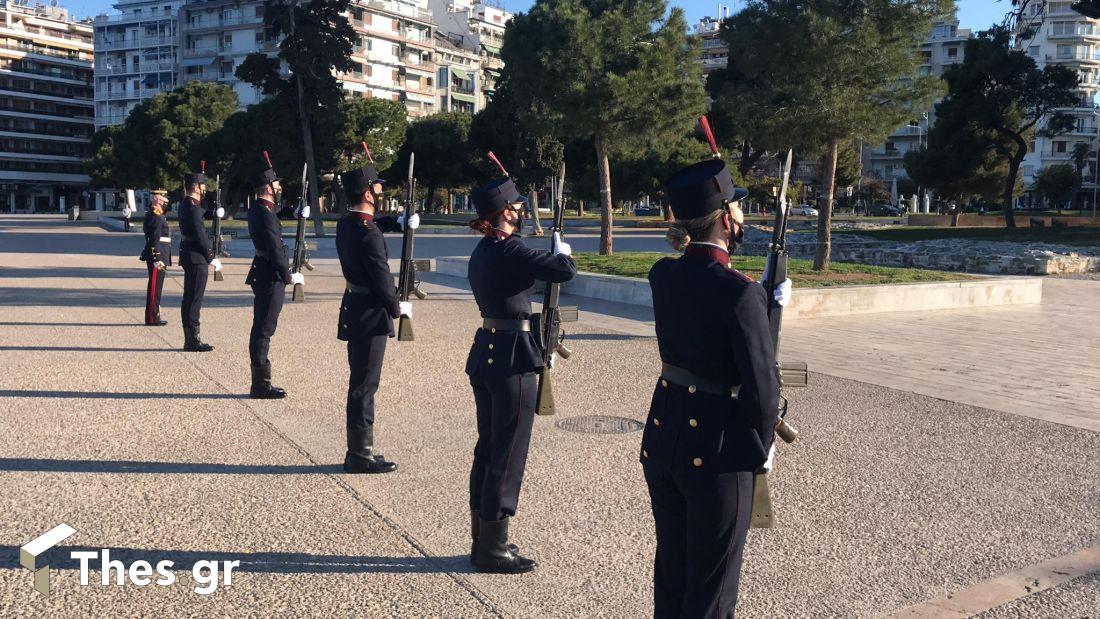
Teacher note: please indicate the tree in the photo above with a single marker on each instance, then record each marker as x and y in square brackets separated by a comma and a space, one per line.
[443, 153]
[617, 72]
[159, 141]
[999, 93]
[317, 42]
[848, 166]
[816, 73]
[380, 123]
[1058, 183]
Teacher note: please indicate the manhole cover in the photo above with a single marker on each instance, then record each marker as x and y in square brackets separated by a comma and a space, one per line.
[600, 424]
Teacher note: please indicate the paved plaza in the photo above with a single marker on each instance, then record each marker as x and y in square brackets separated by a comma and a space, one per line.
[947, 465]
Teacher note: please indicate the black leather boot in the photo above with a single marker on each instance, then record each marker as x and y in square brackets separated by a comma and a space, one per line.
[475, 530]
[261, 384]
[361, 458]
[491, 552]
[192, 343]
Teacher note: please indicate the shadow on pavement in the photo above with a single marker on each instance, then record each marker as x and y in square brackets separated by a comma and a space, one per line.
[71, 324]
[101, 395]
[51, 465]
[613, 337]
[113, 298]
[84, 349]
[68, 271]
[260, 562]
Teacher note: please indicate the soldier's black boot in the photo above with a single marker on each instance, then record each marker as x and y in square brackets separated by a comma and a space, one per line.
[361, 458]
[261, 384]
[192, 343]
[475, 530]
[491, 552]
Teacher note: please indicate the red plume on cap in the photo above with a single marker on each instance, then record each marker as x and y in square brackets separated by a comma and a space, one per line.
[367, 151]
[705, 124]
[267, 158]
[499, 164]
[202, 166]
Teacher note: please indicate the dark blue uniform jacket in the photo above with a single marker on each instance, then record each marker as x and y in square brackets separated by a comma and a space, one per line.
[195, 245]
[712, 321]
[364, 260]
[155, 228]
[502, 276]
[272, 261]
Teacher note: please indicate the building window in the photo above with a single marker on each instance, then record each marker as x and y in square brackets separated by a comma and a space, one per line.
[952, 52]
[396, 50]
[1060, 146]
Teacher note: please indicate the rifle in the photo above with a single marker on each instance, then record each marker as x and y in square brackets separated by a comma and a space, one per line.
[301, 255]
[219, 248]
[551, 334]
[793, 374]
[406, 280]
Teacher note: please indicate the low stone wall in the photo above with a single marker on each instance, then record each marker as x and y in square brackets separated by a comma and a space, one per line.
[820, 302]
[1023, 220]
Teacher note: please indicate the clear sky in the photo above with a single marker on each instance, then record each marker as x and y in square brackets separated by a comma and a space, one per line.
[974, 14]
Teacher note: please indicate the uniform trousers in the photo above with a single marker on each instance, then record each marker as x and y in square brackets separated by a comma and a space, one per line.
[266, 306]
[505, 415]
[153, 293]
[701, 524]
[194, 289]
[365, 355]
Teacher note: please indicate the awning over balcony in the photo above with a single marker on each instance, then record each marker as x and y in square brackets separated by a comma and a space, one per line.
[461, 74]
[458, 96]
[492, 49]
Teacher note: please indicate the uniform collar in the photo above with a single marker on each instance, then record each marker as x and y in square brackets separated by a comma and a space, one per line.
[264, 202]
[499, 235]
[710, 251]
[360, 215]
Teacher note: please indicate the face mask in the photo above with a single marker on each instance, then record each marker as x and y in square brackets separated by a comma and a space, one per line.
[737, 237]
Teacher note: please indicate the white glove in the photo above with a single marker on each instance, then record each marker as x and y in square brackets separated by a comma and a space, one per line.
[126, 212]
[414, 221]
[770, 462]
[559, 247]
[553, 359]
[406, 309]
[297, 278]
[302, 212]
[220, 213]
[783, 293]
[217, 264]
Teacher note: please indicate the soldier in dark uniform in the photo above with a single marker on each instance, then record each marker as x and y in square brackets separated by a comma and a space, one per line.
[196, 258]
[268, 276]
[157, 255]
[367, 312]
[503, 365]
[715, 405]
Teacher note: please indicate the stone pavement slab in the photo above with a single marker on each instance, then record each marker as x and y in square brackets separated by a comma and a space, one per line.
[891, 498]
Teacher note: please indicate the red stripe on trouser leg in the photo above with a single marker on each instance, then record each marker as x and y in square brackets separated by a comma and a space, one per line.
[151, 300]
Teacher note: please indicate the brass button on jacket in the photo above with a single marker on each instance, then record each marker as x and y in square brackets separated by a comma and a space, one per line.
[691, 389]
[697, 462]
[490, 361]
[693, 423]
[490, 346]
[664, 383]
[656, 421]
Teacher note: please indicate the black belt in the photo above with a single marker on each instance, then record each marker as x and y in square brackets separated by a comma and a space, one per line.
[263, 254]
[189, 239]
[506, 324]
[694, 383]
[359, 289]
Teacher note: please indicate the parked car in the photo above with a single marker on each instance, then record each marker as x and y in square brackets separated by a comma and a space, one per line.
[885, 210]
[642, 211]
[804, 209]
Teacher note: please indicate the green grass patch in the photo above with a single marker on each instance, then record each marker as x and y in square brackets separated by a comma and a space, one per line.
[637, 264]
[1085, 236]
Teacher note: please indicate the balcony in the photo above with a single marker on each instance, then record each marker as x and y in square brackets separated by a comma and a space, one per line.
[192, 52]
[39, 50]
[137, 70]
[135, 42]
[222, 22]
[398, 9]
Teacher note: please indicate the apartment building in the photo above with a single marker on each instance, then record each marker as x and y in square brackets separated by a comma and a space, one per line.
[1063, 36]
[46, 110]
[478, 26]
[394, 54]
[215, 38]
[136, 56]
[944, 48]
[713, 51]
[459, 68]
